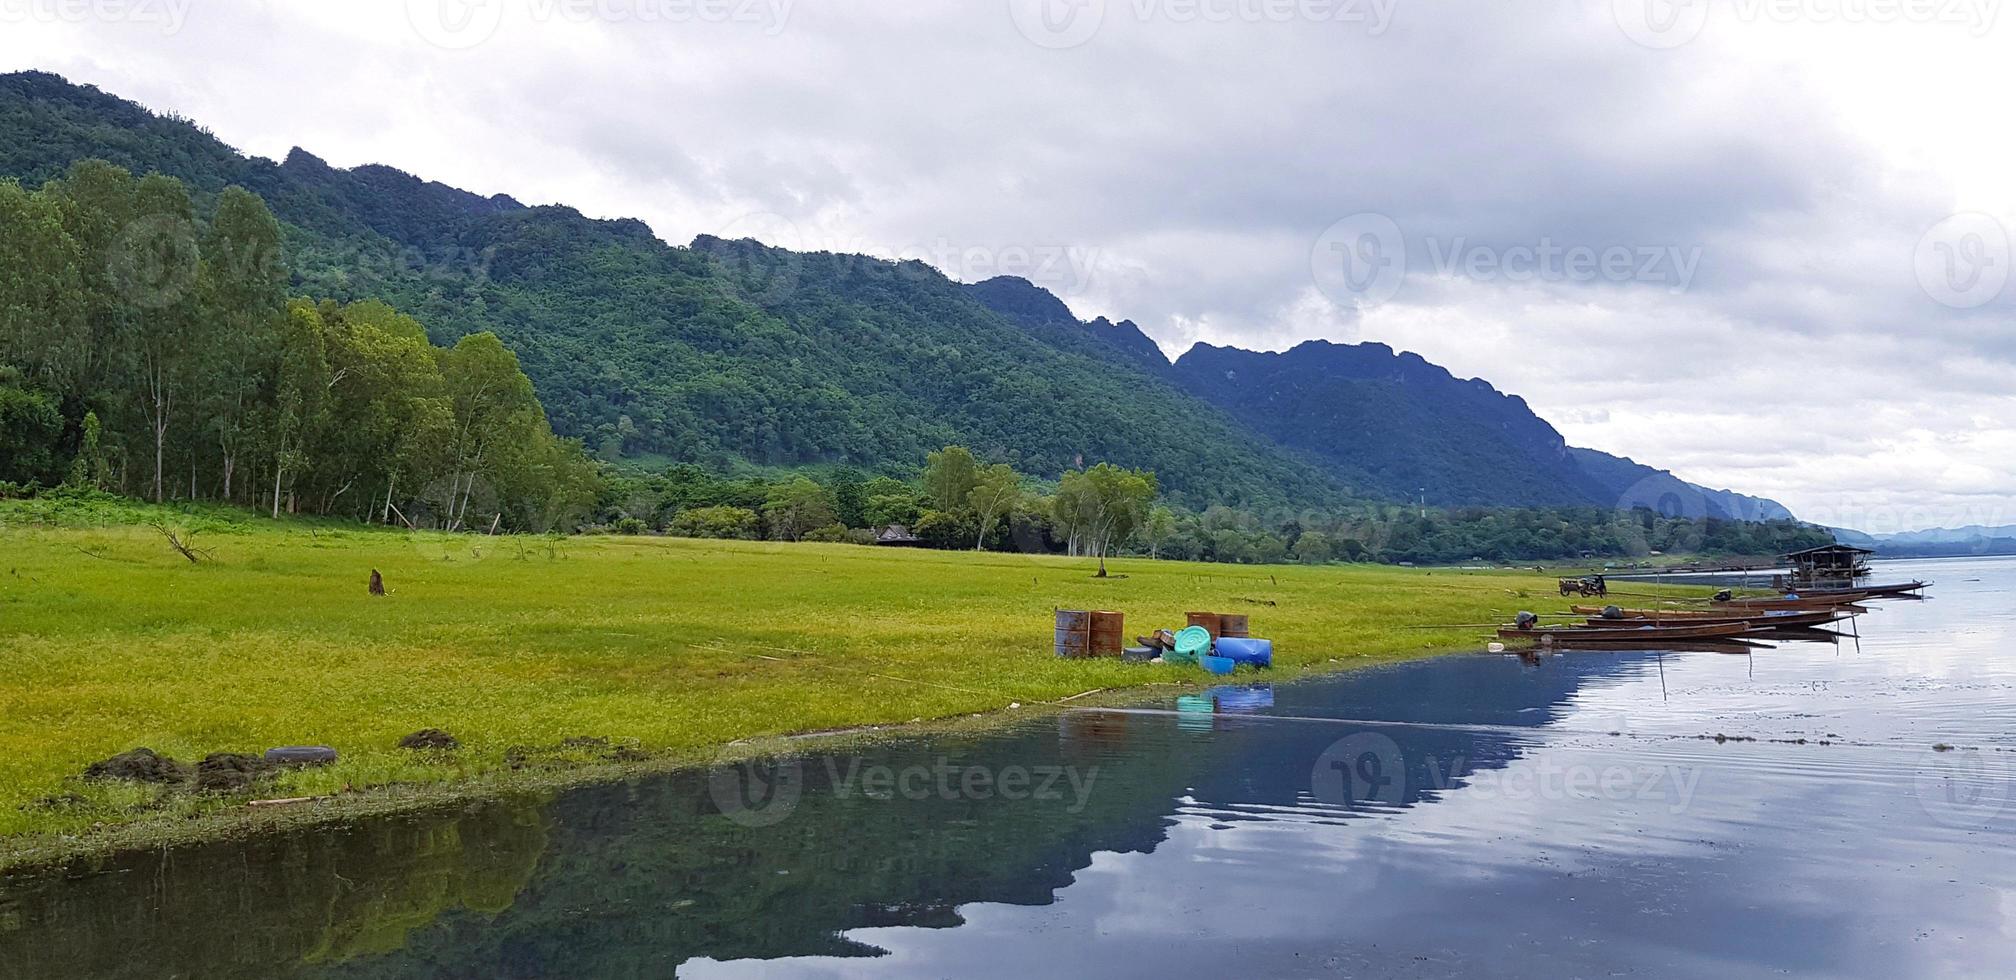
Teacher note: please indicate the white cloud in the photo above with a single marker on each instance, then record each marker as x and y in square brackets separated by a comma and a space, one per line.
[1193, 165]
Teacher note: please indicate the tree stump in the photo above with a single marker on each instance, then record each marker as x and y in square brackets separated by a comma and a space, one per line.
[377, 583]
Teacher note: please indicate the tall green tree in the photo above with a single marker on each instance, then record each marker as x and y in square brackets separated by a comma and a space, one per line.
[949, 477]
[1101, 507]
[493, 406]
[243, 295]
[154, 268]
[996, 490]
[798, 507]
[300, 391]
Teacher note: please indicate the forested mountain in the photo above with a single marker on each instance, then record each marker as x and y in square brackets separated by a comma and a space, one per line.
[715, 353]
[1036, 309]
[1406, 428]
[727, 353]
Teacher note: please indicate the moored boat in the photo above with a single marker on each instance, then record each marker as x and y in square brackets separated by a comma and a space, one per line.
[1766, 618]
[1629, 633]
[1890, 591]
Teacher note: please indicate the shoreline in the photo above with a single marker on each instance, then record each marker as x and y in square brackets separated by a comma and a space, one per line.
[669, 652]
[40, 856]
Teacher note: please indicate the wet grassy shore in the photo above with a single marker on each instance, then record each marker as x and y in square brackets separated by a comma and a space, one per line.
[546, 658]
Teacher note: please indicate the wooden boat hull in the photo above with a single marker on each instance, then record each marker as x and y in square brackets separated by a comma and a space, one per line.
[1645, 632]
[1873, 591]
[1820, 602]
[1769, 619]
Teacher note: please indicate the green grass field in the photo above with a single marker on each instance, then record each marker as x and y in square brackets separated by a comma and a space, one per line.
[110, 640]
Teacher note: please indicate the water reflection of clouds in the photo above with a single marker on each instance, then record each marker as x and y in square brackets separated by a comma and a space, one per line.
[1783, 859]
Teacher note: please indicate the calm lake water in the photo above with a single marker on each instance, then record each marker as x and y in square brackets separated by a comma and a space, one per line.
[1472, 815]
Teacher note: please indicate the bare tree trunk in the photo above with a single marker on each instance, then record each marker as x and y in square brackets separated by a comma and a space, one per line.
[277, 470]
[385, 516]
[160, 437]
[228, 463]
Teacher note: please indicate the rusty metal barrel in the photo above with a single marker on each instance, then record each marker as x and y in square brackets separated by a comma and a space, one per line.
[1209, 620]
[1108, 633]
[1074, 633]
[1232, 624]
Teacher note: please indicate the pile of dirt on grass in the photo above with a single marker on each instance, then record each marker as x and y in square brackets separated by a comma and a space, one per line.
[138, 766]
[229, 772]
[430, 739]
[219, 772]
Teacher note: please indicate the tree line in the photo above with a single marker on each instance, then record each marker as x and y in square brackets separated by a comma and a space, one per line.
[958, 501]
[153, 351]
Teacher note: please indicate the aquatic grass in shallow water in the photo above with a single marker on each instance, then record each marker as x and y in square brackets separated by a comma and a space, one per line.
[109, 640]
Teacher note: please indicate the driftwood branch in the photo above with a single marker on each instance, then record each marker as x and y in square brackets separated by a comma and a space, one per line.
[183, 542]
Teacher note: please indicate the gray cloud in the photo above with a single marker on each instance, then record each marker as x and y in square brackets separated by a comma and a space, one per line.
[1192, 167]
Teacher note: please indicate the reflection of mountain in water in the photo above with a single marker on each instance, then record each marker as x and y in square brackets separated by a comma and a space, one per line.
[635, 878]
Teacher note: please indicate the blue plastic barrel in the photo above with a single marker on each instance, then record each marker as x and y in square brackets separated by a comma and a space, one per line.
[1247, 650]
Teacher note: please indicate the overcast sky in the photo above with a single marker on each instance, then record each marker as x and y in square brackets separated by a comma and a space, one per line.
[1760, 242]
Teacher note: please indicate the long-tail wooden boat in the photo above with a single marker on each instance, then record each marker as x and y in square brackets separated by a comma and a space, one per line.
[1806, 634]
[1763, 619]
[1638, 632]
[1732, 645]
[1843, 600]
[1893, 590]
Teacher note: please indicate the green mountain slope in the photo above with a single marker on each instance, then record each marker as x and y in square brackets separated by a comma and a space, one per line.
[732, 352]
[716, 353]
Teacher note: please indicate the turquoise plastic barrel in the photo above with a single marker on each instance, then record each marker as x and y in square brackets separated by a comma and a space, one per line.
[1245, 650]
[1192, 640]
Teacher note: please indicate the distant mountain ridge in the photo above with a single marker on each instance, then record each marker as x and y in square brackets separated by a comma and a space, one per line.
[1389, 420]
[1938, 542]
[735, 351]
